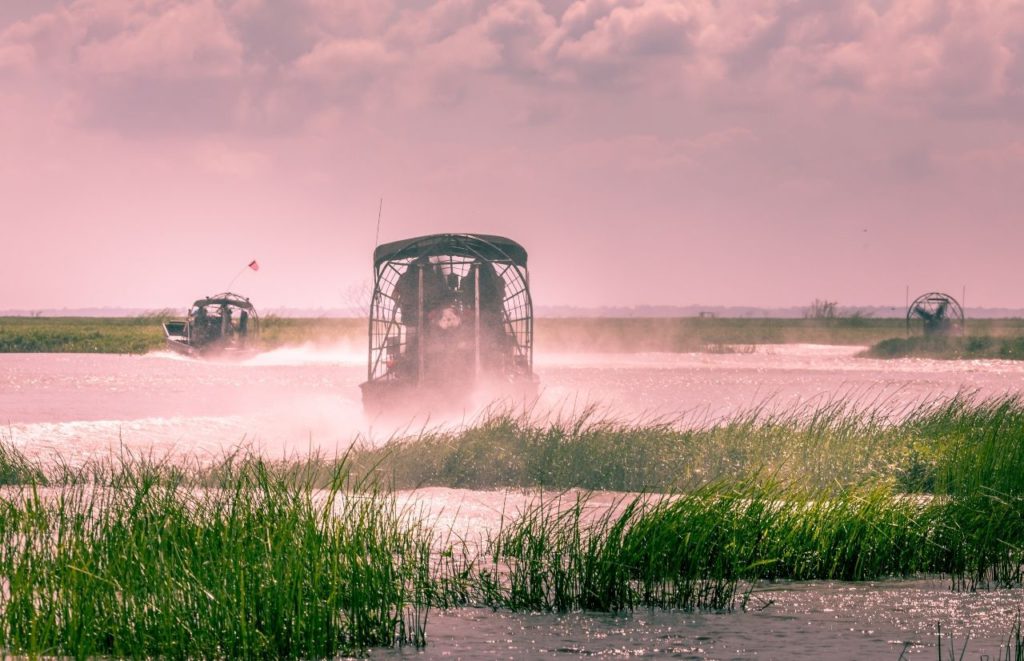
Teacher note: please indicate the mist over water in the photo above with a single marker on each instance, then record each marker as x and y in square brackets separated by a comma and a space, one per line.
[299, 399]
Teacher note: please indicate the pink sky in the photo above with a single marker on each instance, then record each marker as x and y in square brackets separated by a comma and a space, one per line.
[750, 152]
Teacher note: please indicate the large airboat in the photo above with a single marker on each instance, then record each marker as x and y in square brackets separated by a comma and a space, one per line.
[451, 317]
[222, 324]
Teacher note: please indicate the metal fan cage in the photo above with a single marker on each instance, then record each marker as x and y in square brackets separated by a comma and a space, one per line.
[393, 339]
[936, 313]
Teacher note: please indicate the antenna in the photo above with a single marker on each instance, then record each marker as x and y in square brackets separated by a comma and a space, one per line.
[376, 241]
[237, 275]
[963, 306]
[907, 308]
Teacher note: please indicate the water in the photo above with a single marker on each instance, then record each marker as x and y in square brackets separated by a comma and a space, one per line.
[292, 401]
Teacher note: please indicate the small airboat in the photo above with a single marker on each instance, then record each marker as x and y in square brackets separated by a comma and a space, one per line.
[223, 324]
[451, 316]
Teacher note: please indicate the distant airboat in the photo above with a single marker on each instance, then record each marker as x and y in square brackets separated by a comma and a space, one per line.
[222, 324]
[451, 315]
[936, 313]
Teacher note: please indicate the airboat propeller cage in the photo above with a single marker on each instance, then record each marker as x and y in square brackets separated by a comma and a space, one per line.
[939, 314]
[450, 309]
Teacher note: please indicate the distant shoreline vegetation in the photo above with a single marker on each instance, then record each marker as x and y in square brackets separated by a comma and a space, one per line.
[974, 347]
[989, 338]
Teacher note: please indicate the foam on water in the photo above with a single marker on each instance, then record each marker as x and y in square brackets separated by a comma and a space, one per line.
[310, 354]
[308, 392]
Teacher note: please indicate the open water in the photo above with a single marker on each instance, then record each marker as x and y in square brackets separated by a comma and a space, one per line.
[291, 401]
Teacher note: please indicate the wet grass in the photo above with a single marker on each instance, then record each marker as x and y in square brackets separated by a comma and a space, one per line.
[15, 467]
[302, 559]
[261, 566]
[706, 549]
[951, 446]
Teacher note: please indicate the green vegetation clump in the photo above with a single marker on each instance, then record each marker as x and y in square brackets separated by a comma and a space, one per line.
[935, 448]
[972, 347]
[142, 334]
[80, 334]
[302, 559]
[705, 549]
[278, 331]
[261, 566]
[15, 467]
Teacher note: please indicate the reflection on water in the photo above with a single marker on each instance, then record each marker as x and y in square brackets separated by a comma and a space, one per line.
[295, 400]
[782, 619]
[809, 621]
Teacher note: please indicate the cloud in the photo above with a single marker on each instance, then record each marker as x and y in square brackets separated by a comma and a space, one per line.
[343, 59]
[175, 41]
[649, 153]
[221, 159]
[625, 41]
[145, 65]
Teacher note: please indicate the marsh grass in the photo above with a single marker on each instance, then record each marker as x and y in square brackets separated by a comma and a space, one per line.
[949, 446]
[688, 334]
[80, 334]
[990, 338]
[15, 467]
[313, 558]
[144, 333]
[947, 647]
[974, 347]
[260, 566]
[708, 548]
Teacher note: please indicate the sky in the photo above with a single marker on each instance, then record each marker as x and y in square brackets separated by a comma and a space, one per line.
[644, 152]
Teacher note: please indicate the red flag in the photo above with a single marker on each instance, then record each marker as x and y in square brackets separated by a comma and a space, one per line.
[254, 266]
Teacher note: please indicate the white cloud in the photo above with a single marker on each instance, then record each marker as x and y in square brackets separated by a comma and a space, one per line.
[924, 58]
[183, 40]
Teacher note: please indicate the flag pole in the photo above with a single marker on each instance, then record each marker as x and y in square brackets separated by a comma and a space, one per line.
[239, 274]
[376, 240]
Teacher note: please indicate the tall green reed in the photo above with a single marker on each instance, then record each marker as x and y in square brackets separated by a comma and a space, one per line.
[261, 565]
[952, 445]
[262, 559]
[701, 549]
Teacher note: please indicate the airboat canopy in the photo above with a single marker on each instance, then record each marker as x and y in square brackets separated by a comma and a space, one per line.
[483, 246]
[227, 298]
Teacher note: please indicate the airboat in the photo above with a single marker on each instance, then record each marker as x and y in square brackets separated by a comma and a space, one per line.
[451, 317]
[223, 324]
[936, 314]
